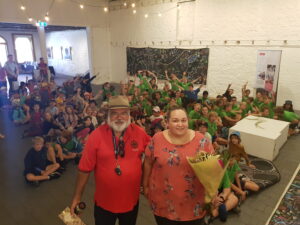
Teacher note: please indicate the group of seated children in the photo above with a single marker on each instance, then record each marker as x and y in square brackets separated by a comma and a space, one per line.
[61, 119]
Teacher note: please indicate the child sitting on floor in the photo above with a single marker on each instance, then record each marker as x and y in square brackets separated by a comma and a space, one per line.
[38, 164]
[71, 147]
[239, 183]
[236, 149]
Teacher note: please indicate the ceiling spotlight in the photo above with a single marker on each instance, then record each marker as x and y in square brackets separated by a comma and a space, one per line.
[81, 6]
[133, 5]
[30, 19]
[47, 18]
[105, 9]
[134, 11]
[146, 15]
[159, 14]
[125, 4]
[22, 7]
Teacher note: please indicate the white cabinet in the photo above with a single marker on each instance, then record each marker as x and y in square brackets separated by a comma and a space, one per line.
[262, 137]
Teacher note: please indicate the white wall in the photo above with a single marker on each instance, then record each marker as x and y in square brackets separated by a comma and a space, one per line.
[68, 13]
[217, 20]
[8, 36]
[77, 39]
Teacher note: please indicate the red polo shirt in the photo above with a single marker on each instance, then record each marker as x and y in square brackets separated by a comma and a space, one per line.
[117, 194]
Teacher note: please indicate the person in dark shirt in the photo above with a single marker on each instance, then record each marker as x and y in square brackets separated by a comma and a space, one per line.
[228, 93]
[38, 166]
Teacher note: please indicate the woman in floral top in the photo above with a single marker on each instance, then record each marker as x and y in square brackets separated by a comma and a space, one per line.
[174, 192]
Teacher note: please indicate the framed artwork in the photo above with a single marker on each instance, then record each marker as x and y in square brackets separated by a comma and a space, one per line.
[192, 61]
[50, 52]
[66, 53]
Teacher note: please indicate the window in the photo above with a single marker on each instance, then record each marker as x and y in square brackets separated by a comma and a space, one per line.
[24, 48]
[3, 51]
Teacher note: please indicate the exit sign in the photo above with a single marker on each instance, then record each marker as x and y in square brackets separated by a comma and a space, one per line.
[42, 24]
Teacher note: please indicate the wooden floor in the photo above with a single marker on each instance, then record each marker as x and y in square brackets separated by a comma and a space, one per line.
[22, 204]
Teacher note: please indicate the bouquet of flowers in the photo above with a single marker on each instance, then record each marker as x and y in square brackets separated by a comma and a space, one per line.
[209, 170]
[69, 219]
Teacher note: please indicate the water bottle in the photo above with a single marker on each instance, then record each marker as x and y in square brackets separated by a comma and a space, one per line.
[79, 208]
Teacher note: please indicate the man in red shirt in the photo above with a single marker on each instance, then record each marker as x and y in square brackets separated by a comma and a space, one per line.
[113, 151]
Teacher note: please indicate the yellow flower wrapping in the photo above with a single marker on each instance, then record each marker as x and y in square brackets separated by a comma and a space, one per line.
[209, 171]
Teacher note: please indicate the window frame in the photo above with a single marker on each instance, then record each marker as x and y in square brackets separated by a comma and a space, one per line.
[5, 44]
[14, 36]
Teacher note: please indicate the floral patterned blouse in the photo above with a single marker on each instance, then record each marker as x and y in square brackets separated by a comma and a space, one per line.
[174, 190]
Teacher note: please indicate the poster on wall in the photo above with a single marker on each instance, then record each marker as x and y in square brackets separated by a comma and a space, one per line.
[50, 52]
[267, 71]
[192, 61]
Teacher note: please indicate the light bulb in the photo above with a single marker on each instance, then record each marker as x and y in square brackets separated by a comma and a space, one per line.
[134, 11]
[125, 4]
[81, 6]
[146, 15]
[178, 6]
[105, 9]
[22, 7]
[159, 14]
[30, 19]
[47, 18]
[133, 5]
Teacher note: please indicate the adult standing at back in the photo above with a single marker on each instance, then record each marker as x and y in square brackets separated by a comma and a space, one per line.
[174, 192]
[113, 151]
[12, 71]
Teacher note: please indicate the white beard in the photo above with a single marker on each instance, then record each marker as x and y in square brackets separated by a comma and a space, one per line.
[116, 127]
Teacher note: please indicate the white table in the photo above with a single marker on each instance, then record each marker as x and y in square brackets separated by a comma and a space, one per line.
[262, 137]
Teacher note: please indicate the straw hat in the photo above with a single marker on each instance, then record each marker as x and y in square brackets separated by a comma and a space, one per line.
[118, 102]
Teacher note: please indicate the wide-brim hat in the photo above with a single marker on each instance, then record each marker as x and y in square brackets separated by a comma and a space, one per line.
[118, 102]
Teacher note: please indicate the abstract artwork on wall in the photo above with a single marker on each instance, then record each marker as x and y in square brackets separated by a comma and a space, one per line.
[177, 61]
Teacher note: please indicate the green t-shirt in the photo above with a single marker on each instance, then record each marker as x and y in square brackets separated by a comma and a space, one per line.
[225, 183]
[235, 107]
[212, 128]
[148, 109]
[257, 103]
[164, 94]
[232, 171]
[174, 84]
[144, 85]
[204, 119]
[244, 113]
[194, 115]
[219, 111]
[290, 116]
[229, 114]
[270, 106]
[185, 86]
[245, 98]
[179, 101]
